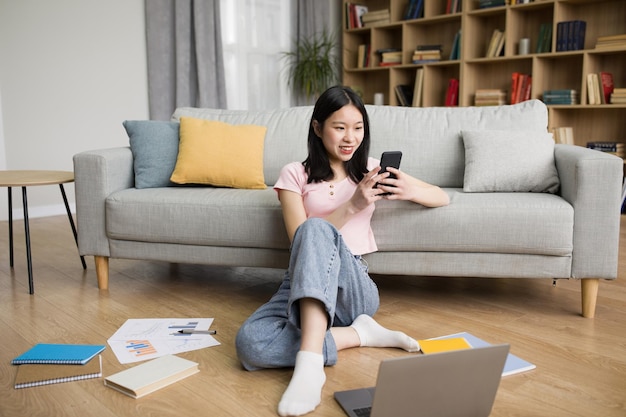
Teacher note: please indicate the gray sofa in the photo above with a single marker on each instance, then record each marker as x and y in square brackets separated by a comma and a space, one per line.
[490, 229]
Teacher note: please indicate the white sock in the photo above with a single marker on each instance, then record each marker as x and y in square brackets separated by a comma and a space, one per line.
[373, 334]
[304, 392]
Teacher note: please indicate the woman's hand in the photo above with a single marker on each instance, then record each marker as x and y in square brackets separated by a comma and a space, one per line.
[366, 192]
[406, 187]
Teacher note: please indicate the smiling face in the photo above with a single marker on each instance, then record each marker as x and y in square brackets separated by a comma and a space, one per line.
[341, 133]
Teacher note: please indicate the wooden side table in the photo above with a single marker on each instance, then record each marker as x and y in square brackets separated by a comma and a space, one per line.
[25, 179]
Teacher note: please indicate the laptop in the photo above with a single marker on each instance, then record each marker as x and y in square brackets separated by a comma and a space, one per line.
[449, 384]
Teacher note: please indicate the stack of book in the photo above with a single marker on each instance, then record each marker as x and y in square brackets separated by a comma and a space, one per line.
[414, 9]
[618, 96]
[599, 87]
[544, 40]
[496, 44]
[615, 148]
[426, 53]
[520, 87]
[483, 4]
[570, 35]
[564, 96]
[490, 97]
[46, 363]
[375, 18]
[354, 15]
[613, 41]
[390, 56]
[564, 135]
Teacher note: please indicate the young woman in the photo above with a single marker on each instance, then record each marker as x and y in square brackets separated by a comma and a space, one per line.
[326, 300]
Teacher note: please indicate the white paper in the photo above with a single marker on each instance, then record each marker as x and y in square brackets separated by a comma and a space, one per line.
[142, 339]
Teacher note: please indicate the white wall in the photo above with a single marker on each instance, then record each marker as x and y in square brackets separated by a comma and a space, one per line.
[71, 71]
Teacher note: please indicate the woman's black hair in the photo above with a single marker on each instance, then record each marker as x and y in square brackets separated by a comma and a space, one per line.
[317, 164]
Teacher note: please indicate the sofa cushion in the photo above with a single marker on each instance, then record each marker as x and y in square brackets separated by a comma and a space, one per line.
[154, 145]
[509, 161]
[203, 216]
[220, 154]
[512, 223]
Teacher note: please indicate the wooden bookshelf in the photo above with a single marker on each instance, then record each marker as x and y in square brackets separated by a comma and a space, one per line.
[550, 70]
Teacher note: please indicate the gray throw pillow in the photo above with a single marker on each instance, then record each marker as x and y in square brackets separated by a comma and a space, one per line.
[154, 145]
[509, 161]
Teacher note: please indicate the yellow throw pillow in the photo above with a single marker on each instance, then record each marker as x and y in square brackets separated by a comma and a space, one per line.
[220, 154]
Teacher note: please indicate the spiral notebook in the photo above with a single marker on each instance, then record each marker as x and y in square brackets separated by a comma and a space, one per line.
[34, 375]
[58, 354]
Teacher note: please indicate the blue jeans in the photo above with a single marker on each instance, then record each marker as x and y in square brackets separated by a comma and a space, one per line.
[323, 268]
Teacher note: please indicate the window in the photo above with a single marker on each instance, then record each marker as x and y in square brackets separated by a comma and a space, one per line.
[254, 33]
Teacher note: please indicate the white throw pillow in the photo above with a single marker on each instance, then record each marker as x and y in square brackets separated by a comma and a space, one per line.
[509, 161]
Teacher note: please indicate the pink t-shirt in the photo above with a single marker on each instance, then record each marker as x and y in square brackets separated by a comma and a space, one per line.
[322, 198]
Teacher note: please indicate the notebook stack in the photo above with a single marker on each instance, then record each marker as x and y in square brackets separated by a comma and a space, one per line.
[47, 363]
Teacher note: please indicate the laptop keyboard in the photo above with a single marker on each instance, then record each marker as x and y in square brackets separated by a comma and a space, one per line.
[363, 412]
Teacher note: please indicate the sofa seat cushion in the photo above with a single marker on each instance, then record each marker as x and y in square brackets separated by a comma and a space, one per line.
[537, 224]
[204, 216]
[514, 223]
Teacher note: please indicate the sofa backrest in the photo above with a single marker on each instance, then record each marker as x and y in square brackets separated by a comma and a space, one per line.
[429, 138]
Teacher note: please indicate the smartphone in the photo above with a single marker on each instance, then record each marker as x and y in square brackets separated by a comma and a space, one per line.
[390, 159]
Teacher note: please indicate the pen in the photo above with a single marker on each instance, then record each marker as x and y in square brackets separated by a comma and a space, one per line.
[190, 331]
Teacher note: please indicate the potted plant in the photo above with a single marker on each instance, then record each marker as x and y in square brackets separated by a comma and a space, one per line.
[312, 65]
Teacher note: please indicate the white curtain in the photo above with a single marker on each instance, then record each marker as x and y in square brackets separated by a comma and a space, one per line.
[254, 35]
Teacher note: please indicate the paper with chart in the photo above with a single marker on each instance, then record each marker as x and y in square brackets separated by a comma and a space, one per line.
[142, 339]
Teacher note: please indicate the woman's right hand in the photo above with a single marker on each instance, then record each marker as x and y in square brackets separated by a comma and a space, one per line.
[366, 192]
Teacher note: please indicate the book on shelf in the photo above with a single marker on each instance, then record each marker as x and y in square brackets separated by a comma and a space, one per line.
[611, 41]
[453, 6]
[520, 87]
[418, 87]
[55, 353]
[595, 93]
[489, 97]
[513, 365]
[455, 50]
[389, 56]
[414, 10]
[606, 85]
[615, 148]
[363, 56]
[563, 135]
[484, 4]
[426, 53]
[496, 44]
[570, 35]
[452, 93]
[377, 17]
[544, 39]
[354, 14]
[404, 94]
[561, 96]
[34, 375]
[150, 376]
[618, 96]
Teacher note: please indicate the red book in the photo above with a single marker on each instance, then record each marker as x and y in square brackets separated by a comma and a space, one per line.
[607, 85]
[514, 81]
[452, 94]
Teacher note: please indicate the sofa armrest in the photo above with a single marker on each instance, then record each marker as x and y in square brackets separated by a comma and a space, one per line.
[97, 174]
[591, 181]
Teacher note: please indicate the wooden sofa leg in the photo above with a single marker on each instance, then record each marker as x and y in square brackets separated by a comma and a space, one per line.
[589, 292]
[102, 271]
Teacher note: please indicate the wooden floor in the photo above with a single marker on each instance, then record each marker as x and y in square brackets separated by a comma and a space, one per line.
[581, 363]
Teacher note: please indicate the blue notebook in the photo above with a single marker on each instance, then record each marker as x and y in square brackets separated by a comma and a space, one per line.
[59, 354]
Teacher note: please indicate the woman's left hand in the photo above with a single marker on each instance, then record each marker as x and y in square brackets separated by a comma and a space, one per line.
[406, 187]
